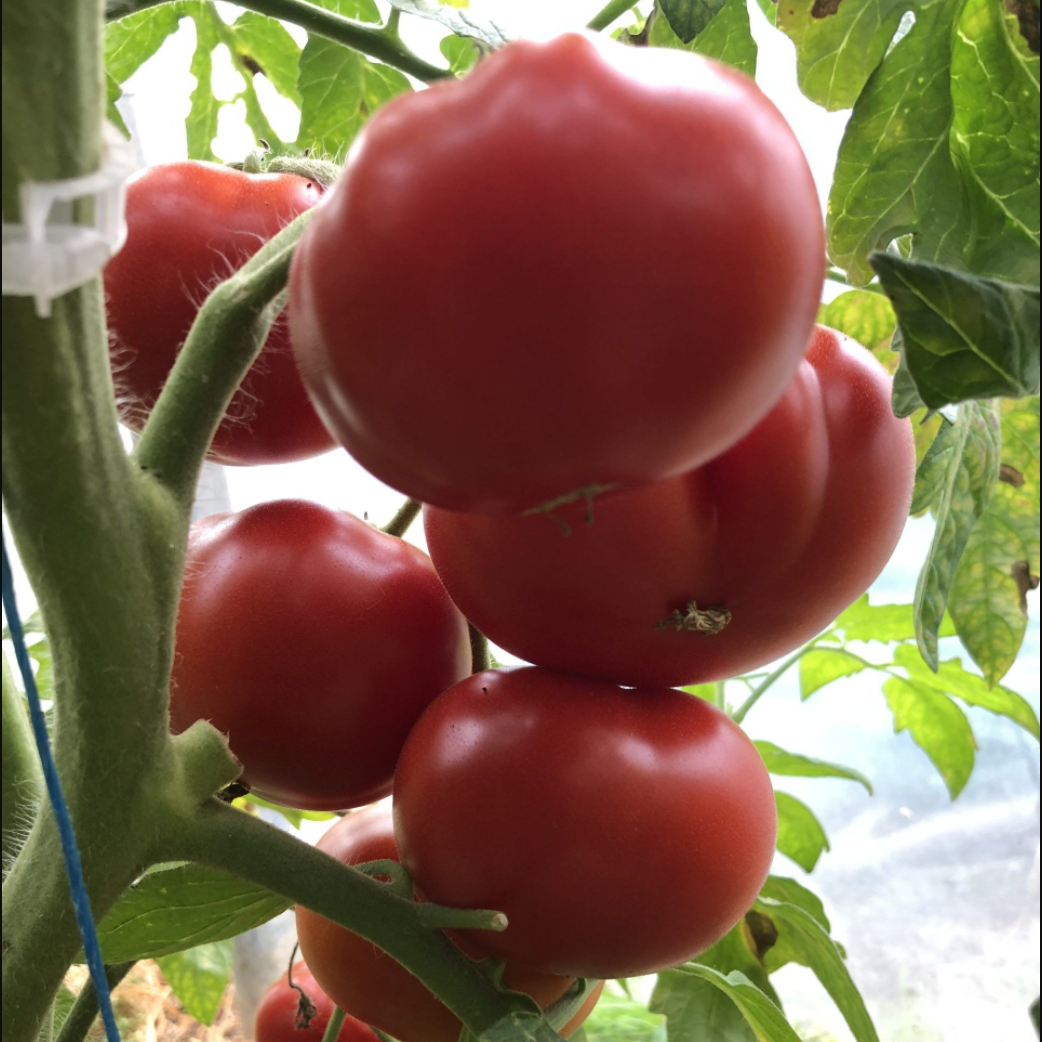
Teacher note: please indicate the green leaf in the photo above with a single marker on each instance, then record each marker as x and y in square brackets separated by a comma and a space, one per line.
[171, 909]
[881, 622]
[60, 1009]
[953, 679]
[199, 977]
[40, 653]
[687, 18]
[707, 692]
[782, 888]
[1000, 564]
[970, 466]
[695, 1009]
[472, 18]
[620, 1018]
[201, 124]
[800, 835]
[962, 336]
[686, 986]
[129, 43]
[808, 943]
[821, 666]
[994, 134]
[838, 44]
[461, 52]
[263, 45]
[867, 317]
[726, 38]
[937, 725]
[894, 174]
[780, 762]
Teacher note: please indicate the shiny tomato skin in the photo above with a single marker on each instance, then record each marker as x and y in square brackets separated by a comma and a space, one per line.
[277, 1013]
[371, 985]
[784, 530]
[190, 225]
[313, 641]
[620, 831]
[562, 271]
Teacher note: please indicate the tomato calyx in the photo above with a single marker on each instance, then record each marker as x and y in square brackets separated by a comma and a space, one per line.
[694, 619]
[582, 494]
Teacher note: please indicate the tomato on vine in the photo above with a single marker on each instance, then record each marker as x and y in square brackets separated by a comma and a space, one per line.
[279, 1014]
[582, 266]
[190, 225]
[372, 986]
[620, 831]
[714, 573]
[313, 641]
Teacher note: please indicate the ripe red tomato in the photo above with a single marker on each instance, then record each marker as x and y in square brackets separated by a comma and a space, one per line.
[621, 831]
[564, 271]
[371, 985]
[190, 225]
[277, 1014]
[783, 531]
[314, 642]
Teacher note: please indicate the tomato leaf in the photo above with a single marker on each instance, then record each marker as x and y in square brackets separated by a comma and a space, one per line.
[962, 336]
[969, 464]
[461, 52]
[726, 37]
[201, 122]
[129, 43]
[263, 46]
[807, 943]
[620, 1018]
[778, 761]
[466, 19]
[172, 909]
[994, 135]
[866, 316]
[687, 18]
[199, 977]
[821, 666]
[838, 45]
[687, 983]
[937, 725]
[694, 1009]
[1000, 564]
[782, 888]
[895, 174]
[800, 835]
[519, 1027]
[953, 679]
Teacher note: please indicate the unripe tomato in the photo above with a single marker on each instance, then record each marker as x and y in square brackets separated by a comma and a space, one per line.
[314, 641]
[583, 265]
[620, 831]
[189, 226]
[769, 542]
[371, 985]
[277, 1015]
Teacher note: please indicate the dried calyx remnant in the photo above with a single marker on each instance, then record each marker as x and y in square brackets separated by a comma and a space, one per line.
[694, 619]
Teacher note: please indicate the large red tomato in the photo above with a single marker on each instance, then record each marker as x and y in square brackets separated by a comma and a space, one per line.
[620, 831]
[714, 573]
[371, 985]
[277, 1014]
[583, 265]
[190, 225]
[314, 642]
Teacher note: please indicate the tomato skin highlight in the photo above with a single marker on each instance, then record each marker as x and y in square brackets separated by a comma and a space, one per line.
[525, 281]
[784, 530]
[369, 983]
[276, 1015]
[620, 831]
[314, 641]
[190, 225]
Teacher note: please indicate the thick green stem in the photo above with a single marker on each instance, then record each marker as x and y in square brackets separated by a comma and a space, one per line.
[336, 1022]
[407, 513]
[226, 336]
[85, 1009]
[376, 42]
[220, 836]
[23, 780]
[607, 14]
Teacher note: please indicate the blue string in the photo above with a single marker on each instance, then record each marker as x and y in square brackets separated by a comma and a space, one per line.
[73, 865]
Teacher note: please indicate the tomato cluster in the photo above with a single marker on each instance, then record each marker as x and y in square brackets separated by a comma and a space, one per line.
[567, 303]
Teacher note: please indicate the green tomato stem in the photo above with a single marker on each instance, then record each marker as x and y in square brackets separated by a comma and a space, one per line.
[480, 657]
[764, 686]
[403, 519]
[336, 1022]
[607, 14]
[85, 1008]
[22, 778]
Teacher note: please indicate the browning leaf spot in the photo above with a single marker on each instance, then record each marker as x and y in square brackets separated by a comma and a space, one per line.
[1021, 574]
[1026, 13]
[251, 64]
[1011, 475]
[824, 8]
[760, 933]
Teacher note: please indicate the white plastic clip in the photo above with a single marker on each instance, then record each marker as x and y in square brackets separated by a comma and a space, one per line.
[48, 255]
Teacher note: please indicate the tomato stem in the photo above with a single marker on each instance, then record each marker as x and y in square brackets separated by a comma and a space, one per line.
[481, 659]
[607, 14]
[375, 42]
[85, 1008]
[407, 513]
[761, 689]
[336, 1022]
